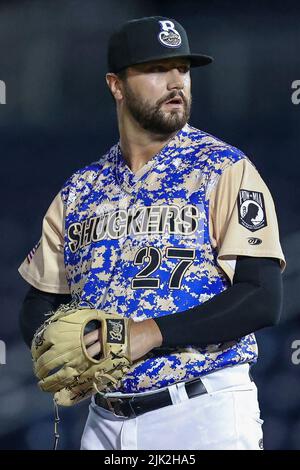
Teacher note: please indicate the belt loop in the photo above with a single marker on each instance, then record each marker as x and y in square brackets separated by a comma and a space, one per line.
[182, 395]
[131, 403]
[173, 391]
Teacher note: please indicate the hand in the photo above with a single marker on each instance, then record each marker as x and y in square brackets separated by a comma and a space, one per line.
[93, 340]
[144, 336]
[66, 370]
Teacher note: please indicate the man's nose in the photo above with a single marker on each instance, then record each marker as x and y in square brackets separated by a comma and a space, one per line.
[175, 79]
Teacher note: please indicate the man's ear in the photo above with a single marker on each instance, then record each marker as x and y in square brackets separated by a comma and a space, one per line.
[115, 85]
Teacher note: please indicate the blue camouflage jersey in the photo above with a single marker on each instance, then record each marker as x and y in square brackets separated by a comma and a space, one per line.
[139, 245]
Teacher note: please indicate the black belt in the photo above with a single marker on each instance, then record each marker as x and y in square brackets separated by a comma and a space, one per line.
[134, 406]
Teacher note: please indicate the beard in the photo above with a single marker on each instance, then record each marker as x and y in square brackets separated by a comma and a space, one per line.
[152, 118]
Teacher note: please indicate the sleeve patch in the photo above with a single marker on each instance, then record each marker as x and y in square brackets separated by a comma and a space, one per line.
[251, 210]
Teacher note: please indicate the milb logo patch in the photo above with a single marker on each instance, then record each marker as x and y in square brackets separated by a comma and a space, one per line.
[168, 35]
[251, 210]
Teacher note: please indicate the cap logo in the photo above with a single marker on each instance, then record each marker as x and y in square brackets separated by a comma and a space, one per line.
[168, 35]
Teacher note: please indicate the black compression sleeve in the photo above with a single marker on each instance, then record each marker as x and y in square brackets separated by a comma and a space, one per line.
[34, 307]
[254, 301]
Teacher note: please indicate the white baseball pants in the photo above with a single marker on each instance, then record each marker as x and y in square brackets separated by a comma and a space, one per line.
[227, 417]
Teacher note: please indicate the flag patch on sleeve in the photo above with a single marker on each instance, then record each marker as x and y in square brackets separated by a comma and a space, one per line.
[31, 253]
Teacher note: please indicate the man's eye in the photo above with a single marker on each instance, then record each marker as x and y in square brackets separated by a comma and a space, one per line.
[184, 69]
[157, 69]
[162, 69]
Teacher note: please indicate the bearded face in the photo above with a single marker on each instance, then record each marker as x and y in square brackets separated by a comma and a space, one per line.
[165, 116]
[158, 96]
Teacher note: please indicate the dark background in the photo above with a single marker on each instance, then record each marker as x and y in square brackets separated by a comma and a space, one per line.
[59, 117]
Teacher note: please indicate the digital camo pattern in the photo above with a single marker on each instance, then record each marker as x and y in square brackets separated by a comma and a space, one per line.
[139, 245]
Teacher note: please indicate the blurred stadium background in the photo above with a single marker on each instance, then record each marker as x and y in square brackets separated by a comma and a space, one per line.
[59, 117]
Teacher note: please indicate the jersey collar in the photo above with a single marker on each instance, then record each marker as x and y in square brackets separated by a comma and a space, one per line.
[127, 180]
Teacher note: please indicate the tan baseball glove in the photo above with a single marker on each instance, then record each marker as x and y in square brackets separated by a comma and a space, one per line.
[62, 363]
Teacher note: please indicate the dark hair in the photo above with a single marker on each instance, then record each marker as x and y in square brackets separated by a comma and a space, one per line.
[122, 74]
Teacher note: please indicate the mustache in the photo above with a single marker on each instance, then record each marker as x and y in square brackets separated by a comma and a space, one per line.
[171, 96]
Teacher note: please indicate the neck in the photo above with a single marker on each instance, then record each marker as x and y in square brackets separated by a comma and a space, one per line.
[139, 145]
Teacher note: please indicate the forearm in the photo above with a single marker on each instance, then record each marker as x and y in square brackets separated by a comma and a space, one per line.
[144, 336]
[251, 303]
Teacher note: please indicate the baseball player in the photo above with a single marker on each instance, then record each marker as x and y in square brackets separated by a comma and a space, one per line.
[168, 249]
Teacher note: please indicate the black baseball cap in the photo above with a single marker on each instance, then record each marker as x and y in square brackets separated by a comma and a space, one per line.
[147, 39]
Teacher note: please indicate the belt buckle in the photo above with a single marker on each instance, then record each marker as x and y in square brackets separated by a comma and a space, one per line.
[113, 400]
